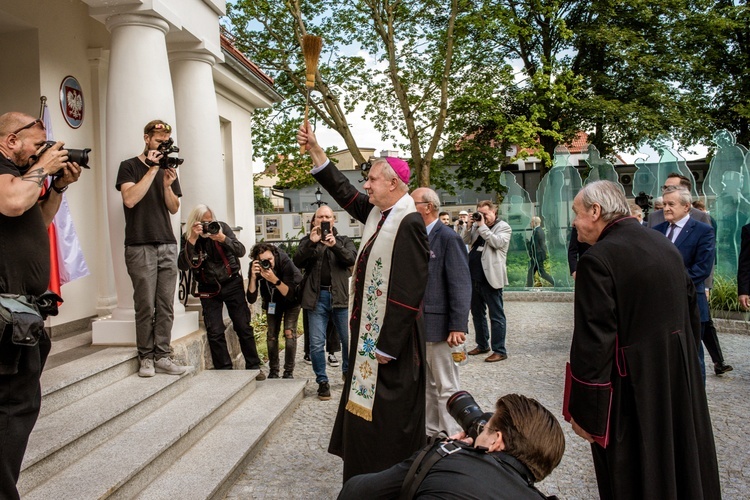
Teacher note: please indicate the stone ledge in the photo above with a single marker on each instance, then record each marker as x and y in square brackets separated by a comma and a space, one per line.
[732, 326]
[538, 295]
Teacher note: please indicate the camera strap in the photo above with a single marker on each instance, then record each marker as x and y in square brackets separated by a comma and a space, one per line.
[436, 449]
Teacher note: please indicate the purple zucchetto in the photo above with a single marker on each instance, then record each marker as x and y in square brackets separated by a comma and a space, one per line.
[400, 167]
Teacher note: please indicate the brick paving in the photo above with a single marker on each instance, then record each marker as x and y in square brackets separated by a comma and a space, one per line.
[294, 463]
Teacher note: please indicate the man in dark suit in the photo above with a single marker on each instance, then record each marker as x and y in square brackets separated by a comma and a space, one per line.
[634, 389]
[447, 300]
[695, 241]
[743, 269]
[674, 179]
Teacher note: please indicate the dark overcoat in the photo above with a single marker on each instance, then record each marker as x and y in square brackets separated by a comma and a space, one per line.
[397, 428]
[635, 371]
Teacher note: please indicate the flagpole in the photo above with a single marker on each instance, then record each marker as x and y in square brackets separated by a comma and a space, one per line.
[43, 102]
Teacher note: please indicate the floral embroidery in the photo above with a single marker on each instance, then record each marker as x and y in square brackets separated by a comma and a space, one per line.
[372, 327]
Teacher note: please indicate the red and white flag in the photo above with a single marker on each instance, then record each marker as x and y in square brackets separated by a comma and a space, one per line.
[66, 257]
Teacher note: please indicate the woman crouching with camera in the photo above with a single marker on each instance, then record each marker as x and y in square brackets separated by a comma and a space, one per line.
[210, 249]
[274, 274]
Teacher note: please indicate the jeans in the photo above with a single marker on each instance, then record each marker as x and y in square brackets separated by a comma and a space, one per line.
[318, 324]
[232, 295]
[288, 318]
[484, 297]
[153, 271]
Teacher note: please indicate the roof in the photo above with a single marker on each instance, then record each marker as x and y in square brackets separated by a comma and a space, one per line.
[227, 43]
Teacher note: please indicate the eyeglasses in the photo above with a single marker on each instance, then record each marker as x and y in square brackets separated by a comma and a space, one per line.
[421, 202]
[159, 126]
[30, 125]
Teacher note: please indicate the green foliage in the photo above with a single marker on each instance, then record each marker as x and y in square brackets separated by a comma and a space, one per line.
[262, 204]
[259, 322]
[724, 295]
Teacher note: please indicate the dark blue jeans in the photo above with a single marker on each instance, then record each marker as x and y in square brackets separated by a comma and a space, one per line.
[232, 295]
[318, 318]
[483, 298]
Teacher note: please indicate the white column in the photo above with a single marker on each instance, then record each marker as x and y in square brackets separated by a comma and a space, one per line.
[139, 90]
[203, 178]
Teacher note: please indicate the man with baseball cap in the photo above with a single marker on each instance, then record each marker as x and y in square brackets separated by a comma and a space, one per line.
[381, 416]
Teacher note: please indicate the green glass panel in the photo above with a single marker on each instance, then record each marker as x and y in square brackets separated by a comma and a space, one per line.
[516, 209]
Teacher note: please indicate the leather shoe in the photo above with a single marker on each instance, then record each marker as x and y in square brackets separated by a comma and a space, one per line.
[496, 357]
[477, 350]
[721, 368]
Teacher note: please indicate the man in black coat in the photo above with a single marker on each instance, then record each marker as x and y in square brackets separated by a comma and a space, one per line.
[380, 420]
[634, 388]
[743, 269]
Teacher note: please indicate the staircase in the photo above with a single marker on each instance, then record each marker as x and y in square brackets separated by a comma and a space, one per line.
[104, 432]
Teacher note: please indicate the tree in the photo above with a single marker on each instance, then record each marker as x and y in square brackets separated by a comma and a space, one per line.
[414, 44]
[262, 204]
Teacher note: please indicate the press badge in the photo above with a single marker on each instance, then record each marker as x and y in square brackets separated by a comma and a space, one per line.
[272, 308]
[480, 249]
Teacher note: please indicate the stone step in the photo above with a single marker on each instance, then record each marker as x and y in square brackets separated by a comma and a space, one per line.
[62, 437]
[212, 465]
[81, 377]
[127, 462]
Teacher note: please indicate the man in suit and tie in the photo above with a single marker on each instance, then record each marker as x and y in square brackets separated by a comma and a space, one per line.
[674, 179]
[446, 311]
[696, 243]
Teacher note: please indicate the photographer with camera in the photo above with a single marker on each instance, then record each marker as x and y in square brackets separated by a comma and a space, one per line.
[499, 456]
[25, 213]
[488, 238]
[150, 194]
[210, 249]
[326, 257]
[274, 274]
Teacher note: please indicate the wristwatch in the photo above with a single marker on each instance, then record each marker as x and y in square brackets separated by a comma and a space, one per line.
[278, 282]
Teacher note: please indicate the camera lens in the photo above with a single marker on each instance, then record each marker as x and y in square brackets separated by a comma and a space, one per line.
[265, 264]
[476, 216]
[80, 156]
[213, 227]
[467, 413]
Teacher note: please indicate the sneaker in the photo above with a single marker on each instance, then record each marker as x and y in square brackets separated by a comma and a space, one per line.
[166, 365]
[324, 391]
[260, 376]
[307, 359]
[273, 375]
[147, 368]
[287, 375]
[332, 360]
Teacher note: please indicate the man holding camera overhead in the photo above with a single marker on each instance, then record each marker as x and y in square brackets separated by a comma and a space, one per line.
[150, 193]
[24, 269]
[488, 238]
[211, 250]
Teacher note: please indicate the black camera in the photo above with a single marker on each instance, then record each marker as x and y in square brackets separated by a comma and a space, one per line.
[167, 148]
[477, 217]
[265, 264]
[212, 227]
[325, 228]
[467, 413]
[643, 200]
[79, 156]
[460, 222]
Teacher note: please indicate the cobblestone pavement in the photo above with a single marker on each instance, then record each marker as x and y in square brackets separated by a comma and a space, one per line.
[295, 464]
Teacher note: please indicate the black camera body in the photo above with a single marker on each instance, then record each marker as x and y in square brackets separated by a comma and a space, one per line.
[167, 148]
[212, 227]
[467, 413]
[476, 216]
[79, 156]
[265, 264]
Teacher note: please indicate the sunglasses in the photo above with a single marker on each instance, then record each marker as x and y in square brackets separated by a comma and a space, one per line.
[30, 125]
[159, 126]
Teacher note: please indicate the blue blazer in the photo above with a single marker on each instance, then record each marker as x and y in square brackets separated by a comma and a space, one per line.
[447, 298]
[697, 245]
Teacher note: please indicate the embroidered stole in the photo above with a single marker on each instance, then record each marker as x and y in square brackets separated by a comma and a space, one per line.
[379, 244]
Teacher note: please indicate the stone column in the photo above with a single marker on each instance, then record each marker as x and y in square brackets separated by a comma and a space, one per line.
[203, 178]
[139, 90]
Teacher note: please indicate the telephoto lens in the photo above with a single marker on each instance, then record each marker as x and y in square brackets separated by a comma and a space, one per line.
[467, 413]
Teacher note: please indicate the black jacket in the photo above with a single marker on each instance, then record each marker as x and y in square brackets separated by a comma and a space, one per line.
[212, 268]
[288, 273]
[340, 257]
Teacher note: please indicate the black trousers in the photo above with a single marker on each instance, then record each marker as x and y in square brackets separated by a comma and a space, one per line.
[20, 400]
[711, 341]
[232, 295]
